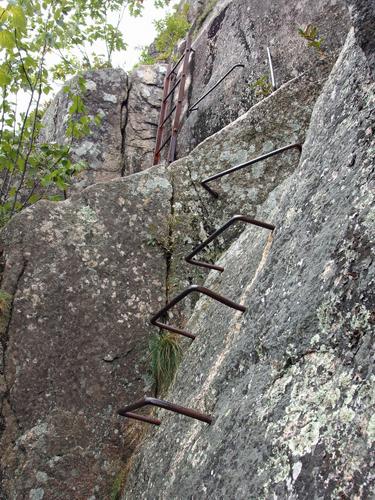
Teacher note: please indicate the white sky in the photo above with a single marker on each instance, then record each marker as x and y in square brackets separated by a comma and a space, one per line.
[138, 32]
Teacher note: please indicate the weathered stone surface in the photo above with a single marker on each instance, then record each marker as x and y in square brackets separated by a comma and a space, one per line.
[277, 121]
[143, 108]
[84, 280]
[86, 343]
[101, 150]
[363, 18]
[290, 382]
[243, 29]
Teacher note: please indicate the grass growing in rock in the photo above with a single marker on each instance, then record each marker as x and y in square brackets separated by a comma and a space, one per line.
[166, 354]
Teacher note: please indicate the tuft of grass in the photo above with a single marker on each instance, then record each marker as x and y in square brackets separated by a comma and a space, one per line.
[310, 33]
[262, 87]
[117, 487]
[166, 355]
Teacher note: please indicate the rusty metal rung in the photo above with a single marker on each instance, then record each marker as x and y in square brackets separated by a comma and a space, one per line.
[164, 143]
[168, 115]
[127, 411]
[176, 64]
[183, 294]
[234, 219]
[193, 108]
[246, 164]
[172, 90]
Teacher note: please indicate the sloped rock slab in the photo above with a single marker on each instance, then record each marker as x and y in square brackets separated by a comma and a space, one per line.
[290, 382]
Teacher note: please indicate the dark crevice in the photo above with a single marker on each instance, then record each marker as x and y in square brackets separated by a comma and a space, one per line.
[124, 113]
[6, 399]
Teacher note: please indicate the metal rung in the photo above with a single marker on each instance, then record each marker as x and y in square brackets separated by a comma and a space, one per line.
[193, 107]
[127, 411]
[234, 219]
[168, 115]
[183, 294]
[246, 164]
[172, 90]
[164, 143]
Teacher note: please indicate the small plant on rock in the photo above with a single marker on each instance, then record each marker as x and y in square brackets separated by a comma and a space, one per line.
[170, 31]
[310, 33]
[262, 87]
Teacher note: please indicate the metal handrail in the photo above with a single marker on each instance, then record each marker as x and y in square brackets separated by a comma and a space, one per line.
[246, 164]
[234, 219]
[127, 411]
[183, 294]
[193, 108]
[273, 81]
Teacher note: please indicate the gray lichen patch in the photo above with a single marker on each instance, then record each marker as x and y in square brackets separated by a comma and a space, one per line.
[324, 402]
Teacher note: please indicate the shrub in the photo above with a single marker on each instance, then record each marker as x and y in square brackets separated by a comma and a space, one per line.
[169, 31]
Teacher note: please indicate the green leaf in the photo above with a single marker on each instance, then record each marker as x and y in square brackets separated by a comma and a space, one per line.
[6, 40]
[18, 17]
[5, 79]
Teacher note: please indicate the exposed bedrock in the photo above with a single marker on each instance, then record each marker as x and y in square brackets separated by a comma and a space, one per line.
[85, 276]
[239, 32]
[290, 382]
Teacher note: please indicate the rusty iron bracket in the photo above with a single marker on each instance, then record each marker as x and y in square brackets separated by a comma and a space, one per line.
[246, 164]
[233, 220]
[127, 411]
[193, 107]
[183, 294]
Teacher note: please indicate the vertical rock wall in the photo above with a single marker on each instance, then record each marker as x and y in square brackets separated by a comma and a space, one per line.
[239, 32]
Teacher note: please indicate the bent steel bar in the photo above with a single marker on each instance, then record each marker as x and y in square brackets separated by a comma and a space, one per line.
[246, 164]
[273, 81]
[193, 108]
[234, 219]
[183, 294]
[146, 400]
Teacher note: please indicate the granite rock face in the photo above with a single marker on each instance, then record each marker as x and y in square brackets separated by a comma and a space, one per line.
[244, 29]
[129, 109]
[86, 274]
[102, 149]
[142, 108]
[289, 383]
[83, 279]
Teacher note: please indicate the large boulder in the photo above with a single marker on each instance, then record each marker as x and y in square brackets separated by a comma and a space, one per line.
[83, 281]
[290, 382]
[102, 149]
[143, 108]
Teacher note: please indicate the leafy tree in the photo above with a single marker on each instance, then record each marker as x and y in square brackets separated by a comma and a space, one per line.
[42, 41]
